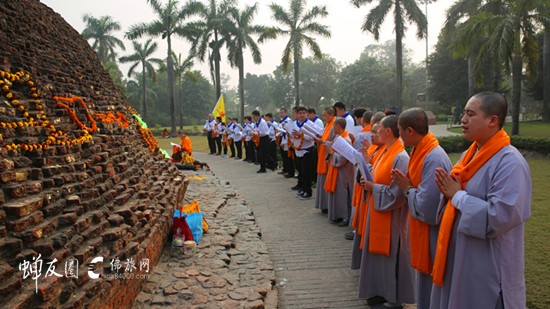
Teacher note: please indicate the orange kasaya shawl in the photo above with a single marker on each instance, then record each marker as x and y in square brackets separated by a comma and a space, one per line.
[332, 174]
[464, 170]
[322, 165]
[380, 221]
[359, 223]
[419, 232]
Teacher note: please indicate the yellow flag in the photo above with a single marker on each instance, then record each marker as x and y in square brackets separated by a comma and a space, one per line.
[219, 110]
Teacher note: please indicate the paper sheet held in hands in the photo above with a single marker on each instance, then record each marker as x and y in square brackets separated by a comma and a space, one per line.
[363, 168]
[344, 148]
[175, 145]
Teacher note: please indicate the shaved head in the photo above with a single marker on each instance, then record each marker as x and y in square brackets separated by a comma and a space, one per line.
[341, 122]
[391, 122]
[416, 119]
[330, 110]
[367, 117]
[377, 117]
[493, 103]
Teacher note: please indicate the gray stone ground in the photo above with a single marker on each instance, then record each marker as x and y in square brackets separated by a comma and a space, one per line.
[441, 130]
[232, 267]
[310, 255]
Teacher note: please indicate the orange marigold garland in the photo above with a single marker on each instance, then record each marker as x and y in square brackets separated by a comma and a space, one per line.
[73, 115]
[148, 137]
[55, 137]
[110, 118]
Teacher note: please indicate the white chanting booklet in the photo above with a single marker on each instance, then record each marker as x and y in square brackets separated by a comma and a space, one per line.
[363, 168]
[175, 145]
[313, 127]
[344, 148]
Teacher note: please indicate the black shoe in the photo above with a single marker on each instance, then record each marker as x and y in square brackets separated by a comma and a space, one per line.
[306, 196]
[343, 223]
[324, 211]
[232, 157]
[261, 171]
[257, 163]
[211, 153]
[350, 235]
[289, 176]
[218, 154]
[281, 173]
[296, 188]
[300, 194]
[251, 162]
[376, 300]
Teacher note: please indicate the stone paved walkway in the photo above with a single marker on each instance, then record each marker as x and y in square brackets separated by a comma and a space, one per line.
[441, 130]
[310, 255]
[231, 269]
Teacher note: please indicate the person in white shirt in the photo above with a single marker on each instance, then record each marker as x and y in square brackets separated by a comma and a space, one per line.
[288, 163]
[312, 116]
[272, 149]
[263, 131]
[304, 147]
[249, 144]
[237, 135]
[350, 123]
[218, 133]
[208, 128]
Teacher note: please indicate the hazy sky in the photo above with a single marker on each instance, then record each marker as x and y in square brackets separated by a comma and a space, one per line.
[345, 20]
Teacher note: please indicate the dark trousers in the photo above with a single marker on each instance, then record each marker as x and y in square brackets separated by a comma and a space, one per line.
[251, 151]
[257, 151]
[232, 147]
[305, 168]
[314, 168]
[288, 164]
[211, 142]
[272, 150]
[265, 160]
[219, 144]
[239, 146]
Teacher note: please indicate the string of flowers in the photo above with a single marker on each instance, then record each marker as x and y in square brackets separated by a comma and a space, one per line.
[73, 115]
[110, 118]
[148, 137]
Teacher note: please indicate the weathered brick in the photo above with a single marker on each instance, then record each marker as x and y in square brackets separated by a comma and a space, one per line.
[115, 233]
[16, 190]
[43, 246]
[20, 224]
[49, 288]
[10, 247]
[115, 220]
[21, 176]
[39, 231]
[7, 176]
[25, 255]
[6, 271]
[67, 219]
[23, 207]
[33, 187]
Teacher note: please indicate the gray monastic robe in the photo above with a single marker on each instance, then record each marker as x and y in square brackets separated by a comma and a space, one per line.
[391, 277]
[423, 204]
[486, 248]
[321, 196]
[339, 202]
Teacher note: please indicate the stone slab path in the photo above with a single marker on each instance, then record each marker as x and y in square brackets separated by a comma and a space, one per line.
[231, 269]
[310, 255]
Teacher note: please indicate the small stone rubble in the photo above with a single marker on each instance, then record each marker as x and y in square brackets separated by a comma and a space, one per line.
[231, 268]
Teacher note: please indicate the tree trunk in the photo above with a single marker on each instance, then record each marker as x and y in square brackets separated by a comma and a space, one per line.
[171, 87]
[297, 80]
[217, 59]
[144, 89]
[517, 65]
[241, 83]
[546, 77]
[181, 103]
[471, 84]
[496, 78]
[399, 55]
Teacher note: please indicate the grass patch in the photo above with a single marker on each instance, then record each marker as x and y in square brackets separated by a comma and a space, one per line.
[199, 142]
[532, 129]
[537, 235]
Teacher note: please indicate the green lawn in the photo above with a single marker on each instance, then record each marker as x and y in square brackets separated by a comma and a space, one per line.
[532, 129]
[537, 234]
[200, 143]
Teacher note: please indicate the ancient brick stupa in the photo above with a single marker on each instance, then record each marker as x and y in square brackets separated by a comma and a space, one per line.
[80, 178]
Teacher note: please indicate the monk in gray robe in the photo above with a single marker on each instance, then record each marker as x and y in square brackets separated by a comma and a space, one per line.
[423, 196]
[386, 271]
[479, 261]
[321, 196]
[374, 123]
[339, 183]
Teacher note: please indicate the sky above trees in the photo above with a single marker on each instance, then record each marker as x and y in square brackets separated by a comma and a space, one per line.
[346, 44]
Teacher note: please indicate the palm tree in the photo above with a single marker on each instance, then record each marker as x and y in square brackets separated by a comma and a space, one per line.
[241, 28]
[142, 56]
[213, 37]
[403, 11]
[511, 42]
[299, 24]
[182, 71]
[134, 90]
[100, 30]
[170, 18]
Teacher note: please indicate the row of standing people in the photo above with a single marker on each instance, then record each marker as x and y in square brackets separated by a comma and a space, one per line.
[425, 232]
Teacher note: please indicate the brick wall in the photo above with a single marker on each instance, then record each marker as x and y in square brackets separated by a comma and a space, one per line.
[109, 196]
